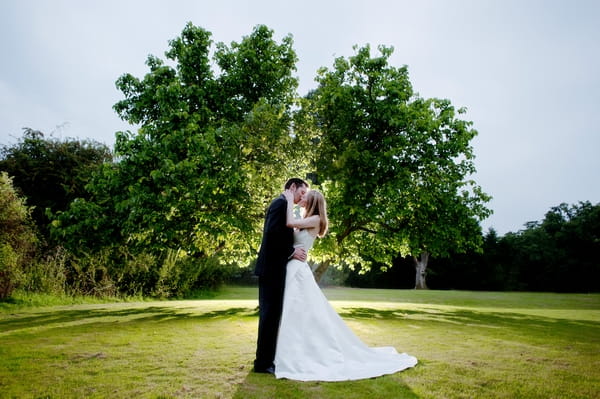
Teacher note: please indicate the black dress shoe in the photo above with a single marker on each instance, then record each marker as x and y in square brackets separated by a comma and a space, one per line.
[268, 370]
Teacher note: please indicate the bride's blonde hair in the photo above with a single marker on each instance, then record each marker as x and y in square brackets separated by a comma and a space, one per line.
[316, 205]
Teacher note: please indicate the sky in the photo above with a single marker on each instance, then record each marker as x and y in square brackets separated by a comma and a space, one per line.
[527, 71]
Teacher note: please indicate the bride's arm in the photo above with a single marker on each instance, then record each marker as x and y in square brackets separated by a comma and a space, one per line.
[302, 223]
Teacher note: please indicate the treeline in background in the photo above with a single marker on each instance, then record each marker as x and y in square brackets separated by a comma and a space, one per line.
[557, 254]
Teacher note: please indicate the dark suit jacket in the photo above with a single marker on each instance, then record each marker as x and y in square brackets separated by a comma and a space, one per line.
[277, 242]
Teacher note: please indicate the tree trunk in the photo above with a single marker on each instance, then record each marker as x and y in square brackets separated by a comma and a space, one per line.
[421, 269]
[320, 270]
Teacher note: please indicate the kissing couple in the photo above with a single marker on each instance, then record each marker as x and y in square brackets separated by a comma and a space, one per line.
[300, 335]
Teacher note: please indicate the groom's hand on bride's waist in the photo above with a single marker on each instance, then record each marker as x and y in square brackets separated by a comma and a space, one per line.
[299, 254]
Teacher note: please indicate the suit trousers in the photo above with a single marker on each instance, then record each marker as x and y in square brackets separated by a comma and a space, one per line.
[270, 303]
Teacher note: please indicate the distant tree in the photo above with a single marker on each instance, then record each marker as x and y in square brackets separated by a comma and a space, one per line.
[560, 253]
[213, 145]
[50, 173]
[488, 268]
[394, 166]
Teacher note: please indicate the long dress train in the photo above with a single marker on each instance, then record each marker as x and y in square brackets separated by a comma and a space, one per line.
[314, 343]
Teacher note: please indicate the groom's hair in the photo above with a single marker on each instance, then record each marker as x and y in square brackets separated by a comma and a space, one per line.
[297, 181]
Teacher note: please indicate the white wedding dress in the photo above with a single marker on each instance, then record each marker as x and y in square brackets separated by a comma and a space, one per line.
[314, 343]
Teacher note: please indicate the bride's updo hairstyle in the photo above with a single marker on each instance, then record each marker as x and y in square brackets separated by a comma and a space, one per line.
[316, 205]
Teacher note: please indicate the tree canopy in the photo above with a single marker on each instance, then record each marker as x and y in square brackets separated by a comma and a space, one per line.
[220, 129]
[395, 166]
[213, 141]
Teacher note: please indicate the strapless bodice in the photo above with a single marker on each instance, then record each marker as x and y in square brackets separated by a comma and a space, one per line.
[304, 239]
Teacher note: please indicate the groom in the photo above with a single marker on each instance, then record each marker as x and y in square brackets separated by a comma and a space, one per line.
[276, 249]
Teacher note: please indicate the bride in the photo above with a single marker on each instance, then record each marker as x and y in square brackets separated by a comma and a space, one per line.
[314, 343]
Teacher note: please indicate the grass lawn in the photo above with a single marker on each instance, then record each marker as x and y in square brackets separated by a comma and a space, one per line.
[469, 345]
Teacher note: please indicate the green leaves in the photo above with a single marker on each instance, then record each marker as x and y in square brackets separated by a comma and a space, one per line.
[17, 237]
[256, 69]
[395, 165]
[212, 148]
[220, 134]
[50, 172]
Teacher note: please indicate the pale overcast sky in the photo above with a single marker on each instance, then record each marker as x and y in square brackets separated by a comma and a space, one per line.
[527, 71]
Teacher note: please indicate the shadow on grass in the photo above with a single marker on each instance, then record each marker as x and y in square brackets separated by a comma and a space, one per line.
[266, 386]
[530, 324]
[50, 319]
[512, 322]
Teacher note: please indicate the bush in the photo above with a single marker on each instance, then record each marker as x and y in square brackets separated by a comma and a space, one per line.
[50, 172]
[89, 275]
[17, 237]
[9, 270]
[114, 271]
[181, 275]
[48, 273]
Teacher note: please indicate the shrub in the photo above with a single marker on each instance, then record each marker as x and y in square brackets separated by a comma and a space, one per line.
[181, 275]
[9, 270]
[89, 275]
[17, 237]
[48, 272]
[50, 172]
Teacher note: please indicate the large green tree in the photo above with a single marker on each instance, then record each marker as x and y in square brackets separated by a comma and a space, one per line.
[213, 145]
[395, 166]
